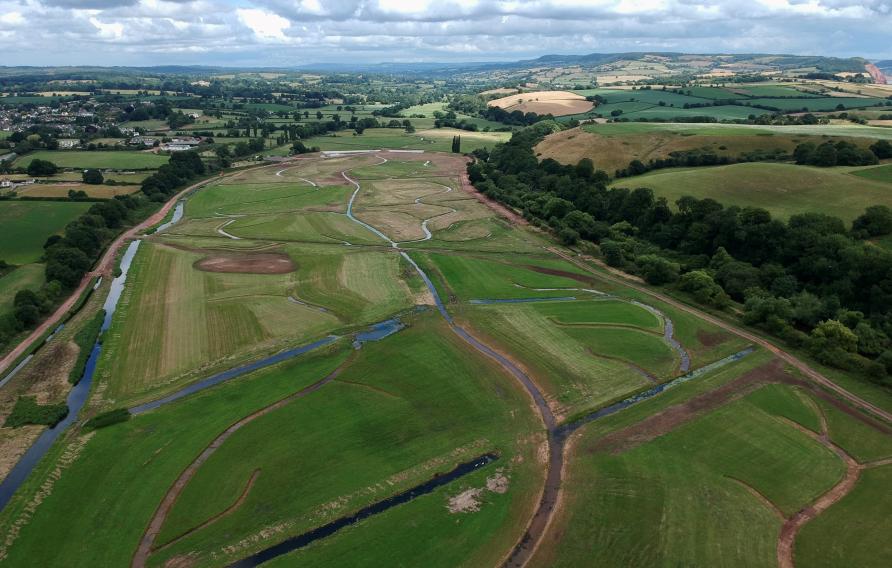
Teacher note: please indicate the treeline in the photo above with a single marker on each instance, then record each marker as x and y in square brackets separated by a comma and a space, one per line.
[842, 153]
[810, 280]
[696, 158]
[180, 169]
[68, 258]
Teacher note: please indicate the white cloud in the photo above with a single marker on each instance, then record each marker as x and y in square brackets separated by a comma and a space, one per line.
[240, 31]
[265, 25]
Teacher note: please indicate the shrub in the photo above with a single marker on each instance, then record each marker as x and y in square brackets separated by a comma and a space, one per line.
[40, 167]
[27, 411]
[85, 339]
[108, 418]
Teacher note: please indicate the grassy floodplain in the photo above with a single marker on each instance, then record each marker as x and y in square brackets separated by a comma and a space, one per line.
[259, 264]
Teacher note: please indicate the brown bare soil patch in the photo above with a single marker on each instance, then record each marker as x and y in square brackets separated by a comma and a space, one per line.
[711, 339]
[562, 273]
[667, 420]
[255, 263]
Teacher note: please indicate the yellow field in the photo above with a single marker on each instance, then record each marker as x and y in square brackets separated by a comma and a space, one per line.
[557, 103]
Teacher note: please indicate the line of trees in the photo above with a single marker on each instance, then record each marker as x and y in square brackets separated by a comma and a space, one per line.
[68, 258]
[811, 280]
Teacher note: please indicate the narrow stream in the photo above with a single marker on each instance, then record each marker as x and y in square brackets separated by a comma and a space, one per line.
[175, 218]
[76, 397]
[231, 374]
[307, 538]
[567, 429]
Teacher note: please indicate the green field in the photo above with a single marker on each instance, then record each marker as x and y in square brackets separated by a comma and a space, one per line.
[855, 531]
[27, 277]
[880, 173]
[452, 413]
[782, 189]
[433, 140]
[683, 499]
[119, 160]
[28, 224]
[207, 320]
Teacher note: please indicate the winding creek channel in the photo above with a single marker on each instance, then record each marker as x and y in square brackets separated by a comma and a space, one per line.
[556, 435]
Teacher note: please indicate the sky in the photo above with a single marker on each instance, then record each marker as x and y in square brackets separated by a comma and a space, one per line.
[281, 33]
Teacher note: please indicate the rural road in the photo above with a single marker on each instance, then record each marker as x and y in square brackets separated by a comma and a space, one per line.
[777, 351]
[102, 268]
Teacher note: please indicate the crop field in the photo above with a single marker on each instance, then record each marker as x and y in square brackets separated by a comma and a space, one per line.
[557, 103]
[122, 160]
[782, 189]
[28, 224]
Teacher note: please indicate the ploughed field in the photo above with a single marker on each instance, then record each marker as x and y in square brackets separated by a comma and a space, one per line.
[427, 439]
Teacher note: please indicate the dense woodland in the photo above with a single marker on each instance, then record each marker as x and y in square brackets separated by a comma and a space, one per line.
[812, 280]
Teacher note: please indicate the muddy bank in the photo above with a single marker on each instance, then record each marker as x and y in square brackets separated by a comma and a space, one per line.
[250, 263]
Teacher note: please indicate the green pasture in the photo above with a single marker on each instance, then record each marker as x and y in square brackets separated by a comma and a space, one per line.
[578, 366]
[26, 277]
[318, 227]
[489, 234]
[683, 498]
[861, 441]
[463, 278]
[415, 398]
[853, 532]
[119, 160]
[782, 189]
[153, 448]
[879, 173]
[27, 225]
[242, 199]
[814, 104]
